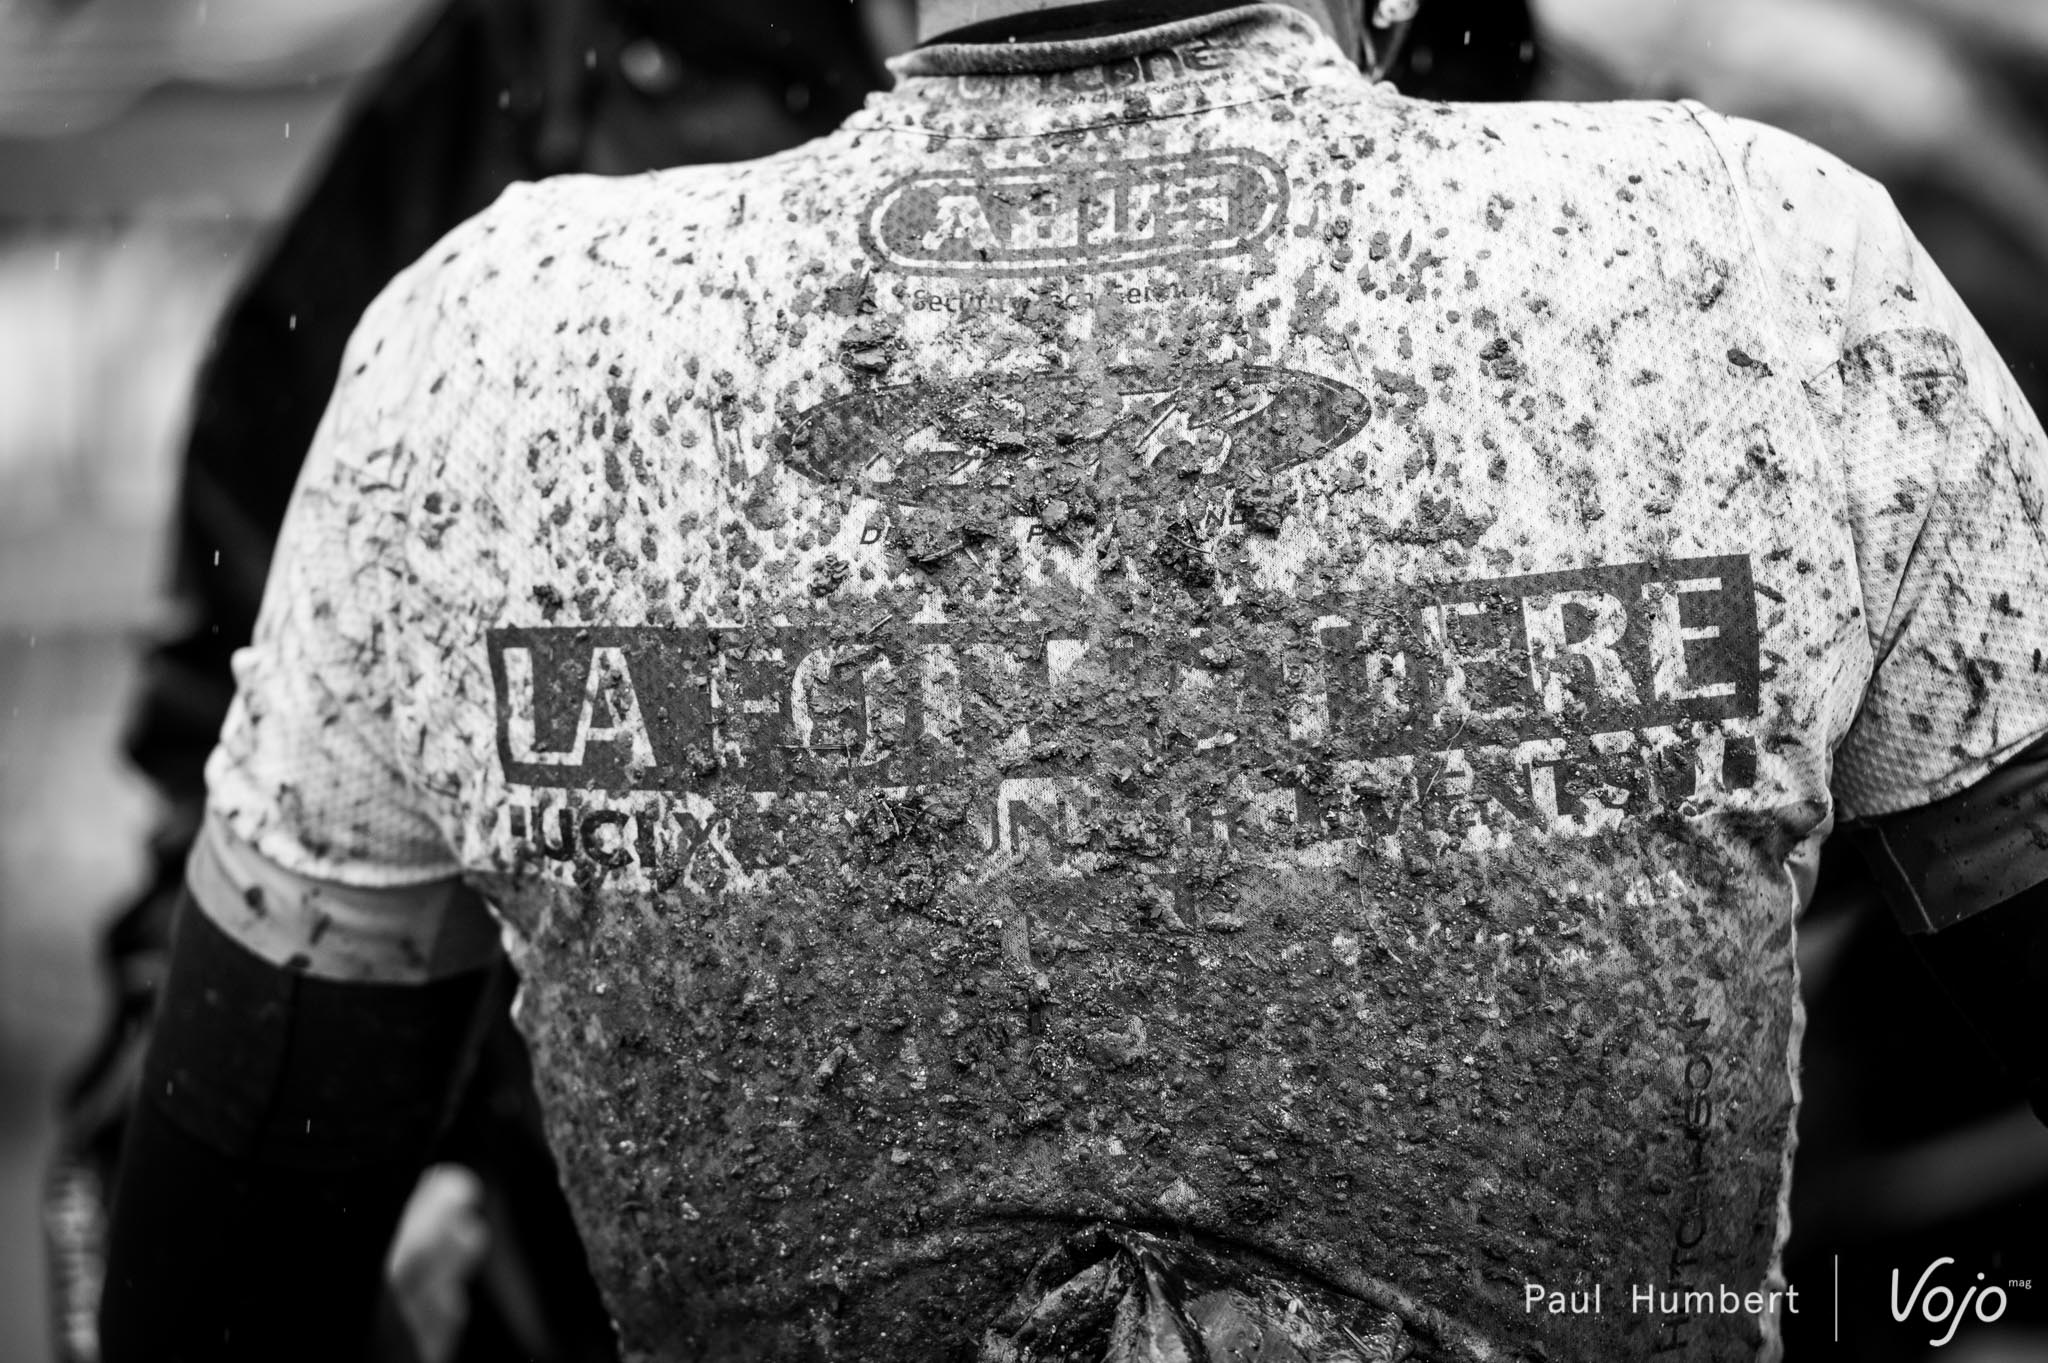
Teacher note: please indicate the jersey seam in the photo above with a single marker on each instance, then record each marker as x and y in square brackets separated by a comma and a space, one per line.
[1782, 1230]
[1751, 231]
[395, 565]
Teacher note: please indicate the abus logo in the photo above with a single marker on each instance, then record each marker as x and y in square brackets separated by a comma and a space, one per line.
[1114, 215]
[1938, 1305]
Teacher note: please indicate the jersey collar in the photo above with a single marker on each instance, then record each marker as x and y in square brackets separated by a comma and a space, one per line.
[1026, 89]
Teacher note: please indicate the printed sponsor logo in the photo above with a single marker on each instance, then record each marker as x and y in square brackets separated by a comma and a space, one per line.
[972, 298]
[1131, 436]
[1502, 679]
[1560, 706]
[1045, 220]
[1113, 77]
[1695, 1121]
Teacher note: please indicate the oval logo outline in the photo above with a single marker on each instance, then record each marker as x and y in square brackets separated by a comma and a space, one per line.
[1089, 218]
[978, 445]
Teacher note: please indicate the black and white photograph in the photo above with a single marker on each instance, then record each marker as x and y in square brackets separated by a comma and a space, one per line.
[1023, 681]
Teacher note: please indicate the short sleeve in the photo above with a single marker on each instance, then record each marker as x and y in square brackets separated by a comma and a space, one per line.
[1953, 468]
[307, 772]
[1943, 467]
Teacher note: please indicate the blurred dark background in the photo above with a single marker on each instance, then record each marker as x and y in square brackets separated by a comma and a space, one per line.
[145, 147]
[150, 148]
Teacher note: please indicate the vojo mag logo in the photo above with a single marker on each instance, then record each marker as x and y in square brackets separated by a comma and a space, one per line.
[1934, 1302]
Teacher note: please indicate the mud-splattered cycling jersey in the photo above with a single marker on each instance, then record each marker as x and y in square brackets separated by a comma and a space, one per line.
[1148, 635]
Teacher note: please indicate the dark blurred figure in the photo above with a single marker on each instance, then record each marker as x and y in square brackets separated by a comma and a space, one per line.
[1993, 243]
[1910, 1144]
[1470, 50]
[490, 92]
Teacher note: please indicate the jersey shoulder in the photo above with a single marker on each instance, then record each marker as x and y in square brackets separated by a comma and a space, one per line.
[543, 237]
[1737, 202]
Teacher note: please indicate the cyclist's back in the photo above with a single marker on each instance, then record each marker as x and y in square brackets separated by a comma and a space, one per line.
[1152, 649]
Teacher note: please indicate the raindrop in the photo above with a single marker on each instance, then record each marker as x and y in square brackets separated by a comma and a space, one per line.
[649, 67]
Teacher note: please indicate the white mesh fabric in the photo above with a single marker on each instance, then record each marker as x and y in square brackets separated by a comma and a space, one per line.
[309, 770]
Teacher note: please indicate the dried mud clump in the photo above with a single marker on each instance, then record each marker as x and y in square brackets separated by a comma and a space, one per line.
[1265, 506]
[1179, 551]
